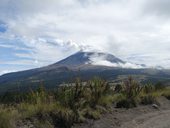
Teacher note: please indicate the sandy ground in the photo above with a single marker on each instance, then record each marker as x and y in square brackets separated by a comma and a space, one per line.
[140, 117]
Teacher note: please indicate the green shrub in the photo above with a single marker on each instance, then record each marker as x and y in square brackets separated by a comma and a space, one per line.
[148, 88]
[97, 89]
[131, 90]
[63, 118]
[148, 99]
[71, 96]
[38, 96]
[92, 113]
[106, 101]
[126, 103]
[118, 88]
[118, 97]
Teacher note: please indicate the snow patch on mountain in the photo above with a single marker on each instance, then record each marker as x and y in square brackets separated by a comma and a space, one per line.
[103, 60]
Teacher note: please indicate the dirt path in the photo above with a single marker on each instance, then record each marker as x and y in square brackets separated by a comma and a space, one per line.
[160, 119]
[140, 117]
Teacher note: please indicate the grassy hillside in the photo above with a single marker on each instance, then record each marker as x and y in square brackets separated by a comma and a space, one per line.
[75, 103]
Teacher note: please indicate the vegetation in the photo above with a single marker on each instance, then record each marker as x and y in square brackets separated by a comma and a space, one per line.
[74, 103]
[130, 90]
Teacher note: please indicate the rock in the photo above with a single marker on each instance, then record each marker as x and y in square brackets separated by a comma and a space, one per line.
[155, 106]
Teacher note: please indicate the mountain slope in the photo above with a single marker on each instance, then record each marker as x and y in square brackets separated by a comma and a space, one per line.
[81, 58]
[81, 64]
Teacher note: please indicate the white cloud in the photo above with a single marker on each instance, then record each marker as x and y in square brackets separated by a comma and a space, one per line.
[6, 71]
[101, 60]
[54, 29]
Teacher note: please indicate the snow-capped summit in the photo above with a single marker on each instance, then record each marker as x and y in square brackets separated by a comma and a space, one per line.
[96, 58]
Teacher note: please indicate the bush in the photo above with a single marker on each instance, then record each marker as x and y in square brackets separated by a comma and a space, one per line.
[92, 113]
[71, 96]
[148, 99]
[131, 90]
[126, 103]
[148, 88]
[97, 89]
[63, 118]
[106, 101]
[118, 88]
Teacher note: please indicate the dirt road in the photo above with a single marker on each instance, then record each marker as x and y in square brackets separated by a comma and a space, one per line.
[160, 119]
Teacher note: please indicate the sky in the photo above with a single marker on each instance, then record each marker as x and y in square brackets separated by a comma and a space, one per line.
[35, 33]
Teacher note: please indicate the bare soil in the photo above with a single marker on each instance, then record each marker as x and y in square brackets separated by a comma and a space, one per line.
[140, 117]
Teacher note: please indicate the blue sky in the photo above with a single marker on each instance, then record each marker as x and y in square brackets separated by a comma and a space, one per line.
[35, 33]
[3, 27]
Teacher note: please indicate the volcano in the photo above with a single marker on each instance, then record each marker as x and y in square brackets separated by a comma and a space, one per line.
[81, 64]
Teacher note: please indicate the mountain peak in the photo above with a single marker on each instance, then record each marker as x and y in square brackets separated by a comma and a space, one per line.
[95, 58]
